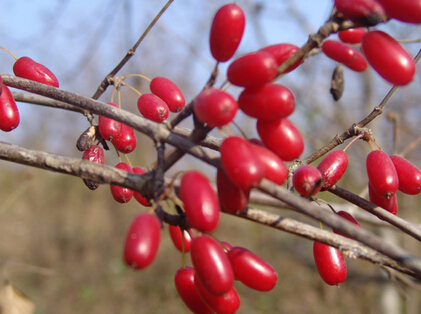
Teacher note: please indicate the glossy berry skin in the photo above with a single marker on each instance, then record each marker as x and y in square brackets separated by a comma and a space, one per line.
[409, 175]
[175, 234]
[345, 54]
[282, 137]
[390, 60]
[352, 35]
[330, 263]
[307, 180]
[364, 12]
[215, 107]
[348, 217]
[201, 205]
[184, 283]
[408, 11]
[119, 193]
[382, 174]
[332, 168]
[94, 153]
[240, 163]
[142, 200]
[142, 241]
[226, 31]
[269, 101]
[126, 142]
[233, 199]
[227, 303]
[9, 113]
[274, 168]
[282, 52]
[152, 107]
[252, 270]
[27, 68]
[252, 69]
[390, 204]
[169, 92]
[109, 128]
[213, 268]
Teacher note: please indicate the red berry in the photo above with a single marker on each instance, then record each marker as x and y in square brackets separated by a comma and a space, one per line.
[233, 199]
[227, 303]
[364, 12]
[344, 54]
[252, 69]
[252, 270]
[27, 68]
[201, 205]
[142, 241]
[109, 128]
[212, 265]
[274, 168]
[282, 52]
[332, 168]
[348, 217]
[169, 92]
[352, 35]
[215, 107]
[390, 60]
[184, 283]
[282, 137]
[177, 239]
[409, 175]
[142, 200]
[240, 163]
[9, 113]
[403, 10]
[307, 180]
[269, 101]
[94, 153]
[330, 263]
[153, 108]
[382, 174]
[119, 193]
[226, 31]
[390, 204]
[126, 142]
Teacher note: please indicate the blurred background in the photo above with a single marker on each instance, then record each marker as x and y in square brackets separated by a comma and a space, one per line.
[61, 244]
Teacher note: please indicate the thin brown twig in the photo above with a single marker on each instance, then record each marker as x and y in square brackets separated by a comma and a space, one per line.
[106, 82]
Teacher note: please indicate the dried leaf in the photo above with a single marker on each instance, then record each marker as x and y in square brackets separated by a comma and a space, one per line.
[337, 83]
[14, 301]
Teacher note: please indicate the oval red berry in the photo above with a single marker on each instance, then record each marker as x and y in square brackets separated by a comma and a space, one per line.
[240, 163]
[27, 68]
[215, 107]
[252, 270]
[169, 92]
[282, 137]
[330, 263]
[184, 283]
[142, 241]
[307, 180]
[344, 54]
[253, 69]
[152, 107]
[9, 113]
[409, 175]
[201, 205]
[226, 31]
[390, 60]
[332, 168]
[212, 265]
[269, 101]
[382, 174]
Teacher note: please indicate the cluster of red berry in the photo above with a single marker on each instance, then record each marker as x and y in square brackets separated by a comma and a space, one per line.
[390, 60]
